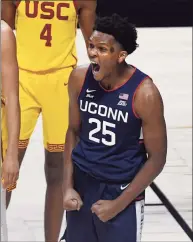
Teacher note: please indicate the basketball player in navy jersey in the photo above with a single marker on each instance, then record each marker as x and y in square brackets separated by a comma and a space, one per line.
[116, 142]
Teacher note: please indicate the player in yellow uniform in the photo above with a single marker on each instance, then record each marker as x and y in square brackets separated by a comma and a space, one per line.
[10, 118]
[46, 33]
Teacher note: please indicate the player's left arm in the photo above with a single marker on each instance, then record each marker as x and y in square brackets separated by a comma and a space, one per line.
[10, 91]
[149, 107]
[87, 15]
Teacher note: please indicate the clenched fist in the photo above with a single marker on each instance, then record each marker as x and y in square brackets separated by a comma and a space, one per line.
[105, 210]
[72, 200]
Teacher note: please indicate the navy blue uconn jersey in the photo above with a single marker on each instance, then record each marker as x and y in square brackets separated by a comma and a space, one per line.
[111, 147]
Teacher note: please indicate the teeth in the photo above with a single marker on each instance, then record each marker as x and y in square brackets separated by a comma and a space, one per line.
[93, 62]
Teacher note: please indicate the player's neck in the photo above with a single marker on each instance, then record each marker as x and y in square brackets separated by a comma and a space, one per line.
[118, 76]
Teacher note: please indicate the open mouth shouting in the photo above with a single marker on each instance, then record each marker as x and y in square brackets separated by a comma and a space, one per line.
[95, 67]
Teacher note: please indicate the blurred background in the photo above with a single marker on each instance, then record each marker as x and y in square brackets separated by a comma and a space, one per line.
[150, 13]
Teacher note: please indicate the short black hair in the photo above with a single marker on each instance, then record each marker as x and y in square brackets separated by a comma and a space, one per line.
[123, 31]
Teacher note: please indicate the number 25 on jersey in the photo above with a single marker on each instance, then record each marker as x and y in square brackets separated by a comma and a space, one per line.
[103, 127]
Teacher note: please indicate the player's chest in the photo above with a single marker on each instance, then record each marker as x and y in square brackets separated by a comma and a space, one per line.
[119, 99]
[47, 10]
[106, 105]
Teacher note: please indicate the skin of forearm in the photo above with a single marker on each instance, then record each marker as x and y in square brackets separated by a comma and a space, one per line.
[143, 179]
[13, 124]
[71, 140]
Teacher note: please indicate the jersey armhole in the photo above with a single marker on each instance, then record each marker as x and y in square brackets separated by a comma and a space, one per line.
[133, 99]
[75, 6]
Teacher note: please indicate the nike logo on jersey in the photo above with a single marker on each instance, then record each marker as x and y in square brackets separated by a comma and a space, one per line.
[89, 91]
[123, 187]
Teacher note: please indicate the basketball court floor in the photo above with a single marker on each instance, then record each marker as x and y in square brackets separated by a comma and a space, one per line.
[166, 55]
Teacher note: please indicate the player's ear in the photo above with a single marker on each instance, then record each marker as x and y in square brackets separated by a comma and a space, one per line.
[122, 56]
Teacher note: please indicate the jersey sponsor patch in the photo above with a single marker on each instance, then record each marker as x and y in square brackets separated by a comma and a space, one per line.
[122, 103]
[124, 96]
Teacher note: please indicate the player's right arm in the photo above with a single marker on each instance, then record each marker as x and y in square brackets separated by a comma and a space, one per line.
[8, 12]
[72, 200]
[10, 91]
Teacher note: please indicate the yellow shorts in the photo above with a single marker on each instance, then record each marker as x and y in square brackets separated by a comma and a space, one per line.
[46, 94]
[4, 141]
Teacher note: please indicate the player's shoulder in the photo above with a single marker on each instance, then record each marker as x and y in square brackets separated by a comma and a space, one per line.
[87, 4]
[7, 38]
[77, 77]
[79, 72]
[5, 27]
[148, 92]
[6, 32]
[148, 87]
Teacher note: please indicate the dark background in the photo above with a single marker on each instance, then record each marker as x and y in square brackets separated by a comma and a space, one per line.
[150, 13]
